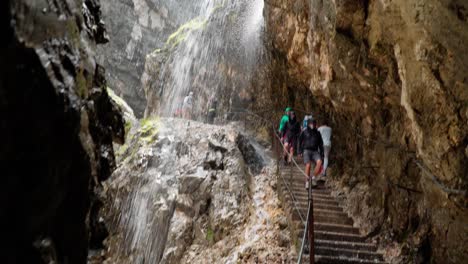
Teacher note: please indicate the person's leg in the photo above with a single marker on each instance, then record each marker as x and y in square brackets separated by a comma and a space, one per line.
[291, 153]
[326, 150]
[307, 169]
[318, 164]
[286, 151]
[307, 162]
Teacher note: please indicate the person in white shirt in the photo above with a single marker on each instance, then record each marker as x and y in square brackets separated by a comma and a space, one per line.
[187, 106]
[326, 133]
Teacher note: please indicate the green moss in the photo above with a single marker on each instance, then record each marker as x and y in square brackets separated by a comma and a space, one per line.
[195, 24]
[148, 129]
[232, 17]
[157, 51]
[218, 6]
[182, 32]
[73, 32]
[122, 149]
[119, 101]
[128, 126]
[210, 235]
[81, 86]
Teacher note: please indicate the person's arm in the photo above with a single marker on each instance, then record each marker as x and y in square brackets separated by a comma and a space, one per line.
[320, 144]
[301, 138]
[282, 124]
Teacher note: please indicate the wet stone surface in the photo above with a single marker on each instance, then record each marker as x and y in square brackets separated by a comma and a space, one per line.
[183, 193]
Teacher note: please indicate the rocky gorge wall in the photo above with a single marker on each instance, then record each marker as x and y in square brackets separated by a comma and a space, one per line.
[57, 127]
[193, 193]
[136, 28]
[392, 78]
[219, 53]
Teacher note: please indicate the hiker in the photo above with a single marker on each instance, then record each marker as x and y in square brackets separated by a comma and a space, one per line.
[212, 105]
[326, 133]
[284, 120]
[292, 131]
[178, 111]
[304, 123]
[311, 148]
[187, 106]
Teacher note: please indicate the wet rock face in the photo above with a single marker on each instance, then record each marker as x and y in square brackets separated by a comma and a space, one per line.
[219, 53]
[175, 180]
[181, 194]
[392, 78]
[136, 28]
[57, 128]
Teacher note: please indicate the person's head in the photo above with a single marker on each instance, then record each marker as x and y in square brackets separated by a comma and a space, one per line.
[312, 123]
[292, 116]
[190, 94]
[287, 110]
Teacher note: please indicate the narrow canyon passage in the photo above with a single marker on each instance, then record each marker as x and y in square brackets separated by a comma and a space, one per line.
[180, 131]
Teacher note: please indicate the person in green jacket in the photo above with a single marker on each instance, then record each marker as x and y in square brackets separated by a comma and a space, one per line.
[282, 129]
[284, 120]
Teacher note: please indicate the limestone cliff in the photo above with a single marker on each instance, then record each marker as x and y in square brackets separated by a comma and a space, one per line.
[392, 76]
[136, 28]
[186, 192]
[57, 128]
[219, 53]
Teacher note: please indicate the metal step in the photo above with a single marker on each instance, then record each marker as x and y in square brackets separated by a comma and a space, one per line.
[338, 236]
[336, 240]
[316, 201]
[349, 253]
[325, 218]
[345, 245]
[320, 259]
[345, 228]
[348, 229]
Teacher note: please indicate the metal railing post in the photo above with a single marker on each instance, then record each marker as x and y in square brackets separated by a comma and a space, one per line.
[311, 227]
[278, 150]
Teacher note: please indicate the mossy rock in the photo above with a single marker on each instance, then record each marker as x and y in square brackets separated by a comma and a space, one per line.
[148, 130]
[210, 235]
[183, 31]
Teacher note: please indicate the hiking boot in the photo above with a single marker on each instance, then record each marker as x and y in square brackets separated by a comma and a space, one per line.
[307, 185]
[314, 183]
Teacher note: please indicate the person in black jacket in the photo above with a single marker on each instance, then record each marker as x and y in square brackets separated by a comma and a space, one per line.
[292, 130]
[212, 106]
[311, 148]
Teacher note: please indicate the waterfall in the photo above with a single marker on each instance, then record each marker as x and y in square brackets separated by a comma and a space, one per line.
[204, 55]
[212, 55]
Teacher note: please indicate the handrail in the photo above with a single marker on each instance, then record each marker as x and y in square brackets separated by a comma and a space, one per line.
[308, 222]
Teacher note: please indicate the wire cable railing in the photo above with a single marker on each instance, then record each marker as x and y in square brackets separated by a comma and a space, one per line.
[308, 235]
[418, 163]
[307, 221]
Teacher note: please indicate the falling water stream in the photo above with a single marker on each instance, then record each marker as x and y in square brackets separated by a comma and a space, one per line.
[224, 38]
[216, 56]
